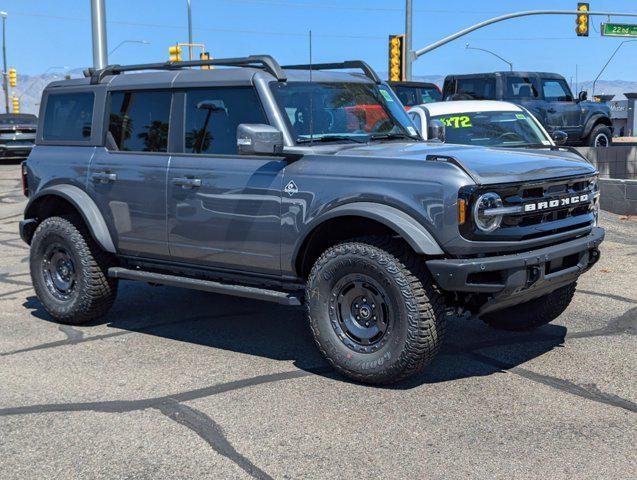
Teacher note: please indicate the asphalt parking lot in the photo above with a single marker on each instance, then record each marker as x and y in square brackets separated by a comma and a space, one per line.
[183, 384]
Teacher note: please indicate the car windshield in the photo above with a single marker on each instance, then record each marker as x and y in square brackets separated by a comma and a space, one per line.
[408, 95]
[496, 129]
[342, 112]
[17, 119]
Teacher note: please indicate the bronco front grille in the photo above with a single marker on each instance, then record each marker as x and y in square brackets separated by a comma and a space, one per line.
[539, 222]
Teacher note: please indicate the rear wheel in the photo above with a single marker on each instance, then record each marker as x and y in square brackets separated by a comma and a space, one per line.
[533, 314]
[69, 271]
[374, 311]
[600, 136]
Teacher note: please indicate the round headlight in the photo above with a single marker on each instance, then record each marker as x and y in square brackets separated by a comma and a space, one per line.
[487, 223]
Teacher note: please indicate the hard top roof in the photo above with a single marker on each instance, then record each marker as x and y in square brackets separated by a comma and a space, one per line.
[505, 73]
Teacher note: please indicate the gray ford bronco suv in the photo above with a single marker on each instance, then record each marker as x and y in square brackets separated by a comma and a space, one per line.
[298, 185]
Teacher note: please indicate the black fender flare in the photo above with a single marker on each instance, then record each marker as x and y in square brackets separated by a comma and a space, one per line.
[594, 119]
[84, 204]
[412, 231]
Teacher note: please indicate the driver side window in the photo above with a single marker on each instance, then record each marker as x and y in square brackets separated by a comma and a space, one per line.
[212, 117]
[556, 91]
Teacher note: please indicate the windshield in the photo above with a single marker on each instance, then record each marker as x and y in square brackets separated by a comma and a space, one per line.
[409, 95]
[342, 111]
[495, 129]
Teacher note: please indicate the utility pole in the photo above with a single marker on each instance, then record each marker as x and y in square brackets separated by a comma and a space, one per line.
[98, 24]
[5, 72]
[408, 53]
[189, 32]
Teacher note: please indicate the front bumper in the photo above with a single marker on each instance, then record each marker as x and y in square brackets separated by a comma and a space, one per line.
[14, 151]
[509, 280]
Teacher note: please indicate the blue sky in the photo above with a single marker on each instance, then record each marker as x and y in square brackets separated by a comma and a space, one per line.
[42, 34]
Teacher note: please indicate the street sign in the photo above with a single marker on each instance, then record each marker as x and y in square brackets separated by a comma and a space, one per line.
[619, 30]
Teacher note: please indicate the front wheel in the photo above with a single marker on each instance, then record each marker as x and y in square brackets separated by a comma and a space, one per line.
[532, 314]
[374, 311]
[69, 271]
[600, 136]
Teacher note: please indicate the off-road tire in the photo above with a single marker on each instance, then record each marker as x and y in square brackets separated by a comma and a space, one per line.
[596, 132]
[94, 292]
[532, 314]
[418, 309]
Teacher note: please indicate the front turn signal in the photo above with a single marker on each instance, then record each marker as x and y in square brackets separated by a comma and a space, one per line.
[462, 211]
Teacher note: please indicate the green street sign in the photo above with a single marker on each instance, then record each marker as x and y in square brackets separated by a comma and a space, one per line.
[619, 30]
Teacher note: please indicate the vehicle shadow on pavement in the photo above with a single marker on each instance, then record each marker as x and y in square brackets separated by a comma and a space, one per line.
[281, 333]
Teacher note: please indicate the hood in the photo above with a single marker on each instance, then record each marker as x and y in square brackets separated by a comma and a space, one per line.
[483, 164]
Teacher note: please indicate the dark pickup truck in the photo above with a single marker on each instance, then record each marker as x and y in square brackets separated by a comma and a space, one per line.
[17, 135]
[545, 95]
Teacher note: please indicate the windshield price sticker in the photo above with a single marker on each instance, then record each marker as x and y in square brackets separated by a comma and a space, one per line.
[462, 121]
[386, 95]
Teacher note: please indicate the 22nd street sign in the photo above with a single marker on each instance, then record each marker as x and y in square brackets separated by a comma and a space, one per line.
[619, 30]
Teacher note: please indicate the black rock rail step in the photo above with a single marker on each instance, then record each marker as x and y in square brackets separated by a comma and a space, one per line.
[283, 298]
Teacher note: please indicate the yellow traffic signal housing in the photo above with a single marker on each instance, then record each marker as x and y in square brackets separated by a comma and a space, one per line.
[16, 104]
[205, 56]
[13, 77]
[396, 58]
[174, 53]
[582, 20]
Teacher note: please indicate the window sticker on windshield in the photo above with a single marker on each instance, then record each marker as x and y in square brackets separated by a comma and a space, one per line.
[520, 116]
[411, 130]
[462, 121]
[386, 95]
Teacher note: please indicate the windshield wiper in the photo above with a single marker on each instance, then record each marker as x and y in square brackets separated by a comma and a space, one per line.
[391, 136]
[332, 138]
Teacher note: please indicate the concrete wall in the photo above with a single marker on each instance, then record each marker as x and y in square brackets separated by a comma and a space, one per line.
[618, 196]
[613, 162]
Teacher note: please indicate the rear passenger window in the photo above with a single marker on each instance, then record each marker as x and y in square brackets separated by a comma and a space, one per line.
[212, 117]
[520, 87]
[68, 117]
[478, 88]
[138, 121]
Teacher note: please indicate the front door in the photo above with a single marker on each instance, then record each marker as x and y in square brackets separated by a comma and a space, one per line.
[562, 112]
[127, 178]
[224, 209]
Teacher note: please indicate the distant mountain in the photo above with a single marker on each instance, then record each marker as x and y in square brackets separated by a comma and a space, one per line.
[29, 88]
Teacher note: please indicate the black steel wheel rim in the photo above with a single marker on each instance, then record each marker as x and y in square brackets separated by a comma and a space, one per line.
[360, 313]
[58, 269]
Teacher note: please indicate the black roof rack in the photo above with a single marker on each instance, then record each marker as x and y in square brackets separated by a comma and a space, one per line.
[266, 62]
[367, 70]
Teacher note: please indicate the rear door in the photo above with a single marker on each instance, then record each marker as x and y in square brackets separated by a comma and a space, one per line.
[224, 209]
[127, 177]
[562, 112]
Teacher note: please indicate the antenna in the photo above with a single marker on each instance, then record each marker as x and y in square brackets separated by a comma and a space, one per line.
[311, 96]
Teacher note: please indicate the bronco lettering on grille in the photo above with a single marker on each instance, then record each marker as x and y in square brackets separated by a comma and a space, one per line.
[555, 203]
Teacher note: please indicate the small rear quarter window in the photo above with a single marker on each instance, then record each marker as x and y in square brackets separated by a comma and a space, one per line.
[68, 117]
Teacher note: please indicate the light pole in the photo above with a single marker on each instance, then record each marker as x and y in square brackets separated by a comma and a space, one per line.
[189, 32]
[143, 42]
[606, 64]
[408, 40]
[98, 24]
[5, 86]
[467, 47]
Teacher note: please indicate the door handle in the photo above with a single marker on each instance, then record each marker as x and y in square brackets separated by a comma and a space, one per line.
[104, 177]
[184, 182]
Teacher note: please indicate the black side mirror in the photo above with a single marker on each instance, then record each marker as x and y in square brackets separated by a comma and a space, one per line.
[583, 96]
[560, 137]
[436, 131]
[259, 139]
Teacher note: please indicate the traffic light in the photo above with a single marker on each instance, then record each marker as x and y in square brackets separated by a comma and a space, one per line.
[174, 53]
[205, 56]
[582, 20]
[396, 58]
[16, 104]
[13, 77]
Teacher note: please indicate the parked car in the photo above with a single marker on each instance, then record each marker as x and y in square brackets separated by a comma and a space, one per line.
[416, 93]
[17, 135]
[484, 123]
[546, 95]
[263, 181]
